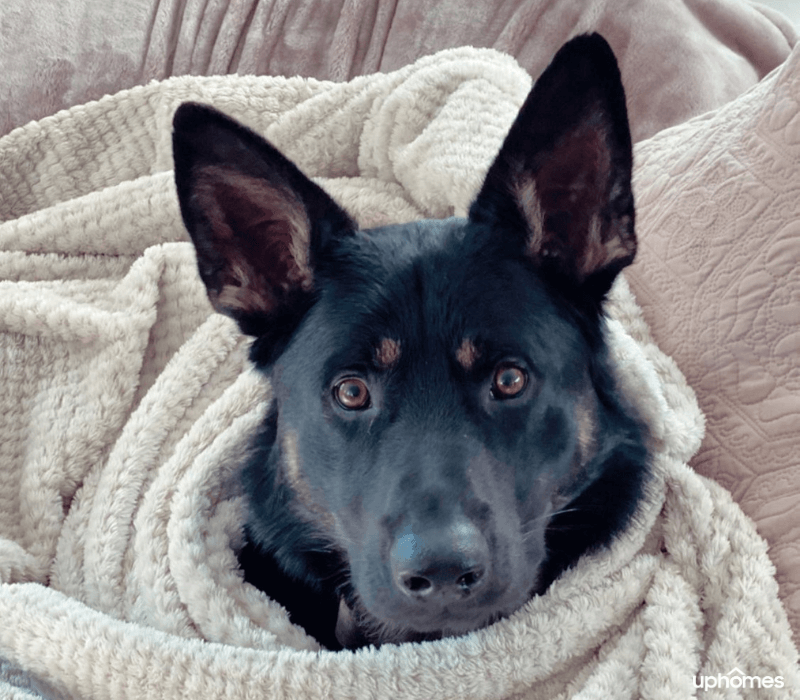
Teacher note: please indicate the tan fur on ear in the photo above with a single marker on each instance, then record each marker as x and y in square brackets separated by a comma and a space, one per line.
[573, 183]
[598, 252]
[240, 294]
[531, 208]
[260, 238]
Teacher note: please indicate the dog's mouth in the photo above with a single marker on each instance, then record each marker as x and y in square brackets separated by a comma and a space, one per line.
[356, 628]
[348, 633]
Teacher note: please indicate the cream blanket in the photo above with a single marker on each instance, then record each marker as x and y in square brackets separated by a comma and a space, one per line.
[125, 405]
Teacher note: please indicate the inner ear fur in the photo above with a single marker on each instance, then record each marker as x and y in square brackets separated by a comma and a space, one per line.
[257, 222]
[257, 245]
[561, 184]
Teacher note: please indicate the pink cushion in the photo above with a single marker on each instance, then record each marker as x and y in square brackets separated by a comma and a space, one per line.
[718, 277]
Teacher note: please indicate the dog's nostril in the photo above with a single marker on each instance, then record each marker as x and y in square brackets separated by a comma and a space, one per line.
[422, 586]
[417, 584]
[470, 579]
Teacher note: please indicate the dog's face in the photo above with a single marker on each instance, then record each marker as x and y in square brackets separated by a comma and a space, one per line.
[446, 437]
[433, 411]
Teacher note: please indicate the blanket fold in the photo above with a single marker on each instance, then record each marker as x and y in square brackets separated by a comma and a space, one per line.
[126, 407]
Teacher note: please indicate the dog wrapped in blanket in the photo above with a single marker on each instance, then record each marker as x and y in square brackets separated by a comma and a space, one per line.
[446, 436]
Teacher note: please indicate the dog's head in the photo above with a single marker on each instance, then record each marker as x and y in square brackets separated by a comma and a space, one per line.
[445, 425]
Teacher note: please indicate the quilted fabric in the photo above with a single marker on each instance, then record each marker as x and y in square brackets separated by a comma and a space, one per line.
[718, 277]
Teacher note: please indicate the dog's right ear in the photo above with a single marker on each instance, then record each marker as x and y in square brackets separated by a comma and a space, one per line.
[257, 222]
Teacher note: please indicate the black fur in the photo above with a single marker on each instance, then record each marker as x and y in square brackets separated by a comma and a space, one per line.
[492, 449]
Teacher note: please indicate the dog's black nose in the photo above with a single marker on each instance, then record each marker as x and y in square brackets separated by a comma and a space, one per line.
[443, 564]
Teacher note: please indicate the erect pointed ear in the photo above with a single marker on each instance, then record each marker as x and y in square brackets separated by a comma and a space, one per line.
[258, 224]
[561, 183]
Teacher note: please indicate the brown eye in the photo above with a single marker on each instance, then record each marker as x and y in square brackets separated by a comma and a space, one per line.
[352, 394]
[509, 381]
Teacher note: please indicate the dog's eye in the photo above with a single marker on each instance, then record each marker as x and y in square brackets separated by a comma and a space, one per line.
[352, 394]
[509, 381]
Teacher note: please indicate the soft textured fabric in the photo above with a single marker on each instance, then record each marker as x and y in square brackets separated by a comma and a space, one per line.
[125, 405]
[678, 57]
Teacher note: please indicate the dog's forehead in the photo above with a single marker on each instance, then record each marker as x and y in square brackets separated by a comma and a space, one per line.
[412, 289]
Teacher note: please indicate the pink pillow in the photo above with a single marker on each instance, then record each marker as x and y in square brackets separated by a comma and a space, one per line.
[718, 277]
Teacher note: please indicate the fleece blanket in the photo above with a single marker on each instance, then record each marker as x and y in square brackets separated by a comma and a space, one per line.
[125, 407]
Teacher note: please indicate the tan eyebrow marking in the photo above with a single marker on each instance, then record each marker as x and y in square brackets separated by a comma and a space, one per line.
[387, 354]
[467, 353]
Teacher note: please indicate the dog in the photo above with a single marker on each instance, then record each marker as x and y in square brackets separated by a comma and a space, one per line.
[446, 436]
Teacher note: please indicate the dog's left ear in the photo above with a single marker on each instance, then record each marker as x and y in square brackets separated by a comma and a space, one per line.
[561, 185]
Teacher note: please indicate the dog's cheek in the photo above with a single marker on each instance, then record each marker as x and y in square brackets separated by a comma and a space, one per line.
[362, 541]
[369, 571]
[534, 516]
[548, 464]
[587, 441]
[307, 504]
[329, 477]
[314, 458]
[542, 458]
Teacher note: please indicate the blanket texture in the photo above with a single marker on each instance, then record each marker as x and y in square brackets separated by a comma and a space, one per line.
[125, 407]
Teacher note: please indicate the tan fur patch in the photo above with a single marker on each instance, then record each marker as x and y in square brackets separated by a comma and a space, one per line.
[531, 207]
[599, 253]
[261, 233]
[467, 354]
[293, 473]
[291, 460]
[387, 354]
[585, 415]
[241, 294]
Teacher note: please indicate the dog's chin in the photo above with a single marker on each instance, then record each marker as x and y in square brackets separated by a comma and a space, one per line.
[356, 628]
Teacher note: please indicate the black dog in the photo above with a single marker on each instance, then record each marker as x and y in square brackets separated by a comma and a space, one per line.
[446, 436]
